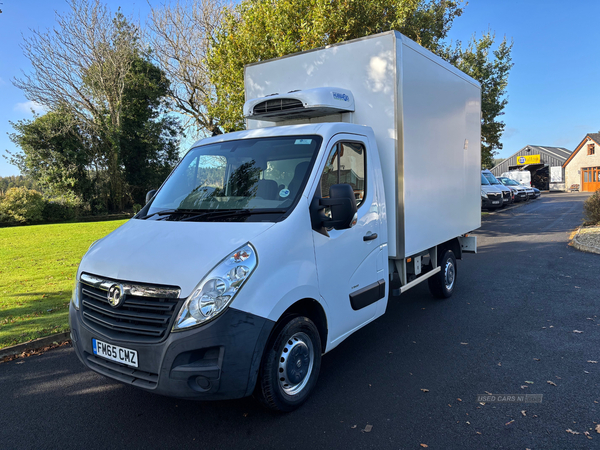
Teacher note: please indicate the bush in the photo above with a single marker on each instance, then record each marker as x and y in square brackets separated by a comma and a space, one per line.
[591, 209]
[98, 207]
[137, 208]
[58, 210]
[22, 205]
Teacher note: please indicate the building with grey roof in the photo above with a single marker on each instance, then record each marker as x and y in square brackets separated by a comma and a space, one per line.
[544, 161]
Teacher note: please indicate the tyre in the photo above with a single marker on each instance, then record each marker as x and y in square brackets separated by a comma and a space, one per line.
[441, 285]
[290, 366]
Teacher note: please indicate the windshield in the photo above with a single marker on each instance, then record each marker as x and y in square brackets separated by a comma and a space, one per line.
[491, 178]
[509, 182]
[235, 180]
[484, 180]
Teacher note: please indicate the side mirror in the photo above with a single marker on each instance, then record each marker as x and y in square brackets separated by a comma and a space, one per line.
[343, 206]
[150, 194]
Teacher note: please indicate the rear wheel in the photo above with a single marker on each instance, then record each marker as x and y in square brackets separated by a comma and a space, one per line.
[441, 285]
[291, 364]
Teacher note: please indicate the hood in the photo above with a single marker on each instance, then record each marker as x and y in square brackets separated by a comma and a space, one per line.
[169, 253]
[488, 188]
[501, 187]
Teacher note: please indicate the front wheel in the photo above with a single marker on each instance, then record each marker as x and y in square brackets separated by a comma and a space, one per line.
[290, 366]
[441, 285]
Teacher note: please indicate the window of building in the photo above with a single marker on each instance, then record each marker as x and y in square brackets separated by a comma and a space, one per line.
[591, 150]
[346, 164]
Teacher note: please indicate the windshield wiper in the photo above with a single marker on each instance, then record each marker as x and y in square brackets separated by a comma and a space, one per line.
[168, 212]
[219, 214]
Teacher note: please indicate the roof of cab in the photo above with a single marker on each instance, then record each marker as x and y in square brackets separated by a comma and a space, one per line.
[326, 130]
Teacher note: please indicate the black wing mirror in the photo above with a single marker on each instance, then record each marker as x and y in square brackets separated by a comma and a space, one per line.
[343, 206]
[150, 194]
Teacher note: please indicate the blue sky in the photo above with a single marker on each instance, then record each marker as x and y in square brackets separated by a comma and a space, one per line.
[553, 87]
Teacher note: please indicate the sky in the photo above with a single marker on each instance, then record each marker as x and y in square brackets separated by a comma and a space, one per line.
[553, 93]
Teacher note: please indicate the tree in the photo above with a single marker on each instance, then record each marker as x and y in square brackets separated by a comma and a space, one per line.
[149, 137]
[12, 181]
[54, 153]
[108, 101]
[258, 30]
[180, 37]
[81, 66]
[65, 161]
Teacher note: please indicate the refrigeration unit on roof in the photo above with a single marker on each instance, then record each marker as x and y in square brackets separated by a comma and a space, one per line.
[300, 104]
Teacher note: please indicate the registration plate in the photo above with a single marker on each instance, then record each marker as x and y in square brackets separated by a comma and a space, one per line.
[496, 202]
[115, 353]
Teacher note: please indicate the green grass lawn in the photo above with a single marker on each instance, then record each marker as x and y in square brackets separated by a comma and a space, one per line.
[37, 272]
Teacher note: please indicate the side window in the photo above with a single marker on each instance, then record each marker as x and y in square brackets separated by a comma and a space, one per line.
[352, 169]
[346, 163]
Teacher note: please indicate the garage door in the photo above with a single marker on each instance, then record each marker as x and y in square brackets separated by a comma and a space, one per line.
[590, 179]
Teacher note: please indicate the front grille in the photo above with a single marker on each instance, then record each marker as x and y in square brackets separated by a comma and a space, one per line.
[122, 373]
[494, 195]
[145, 315]
[279, 104]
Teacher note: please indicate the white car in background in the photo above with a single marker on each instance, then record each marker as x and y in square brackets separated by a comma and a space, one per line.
[520, 191]
[529, 190]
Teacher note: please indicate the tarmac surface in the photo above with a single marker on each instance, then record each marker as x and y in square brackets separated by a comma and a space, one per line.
[524, 319]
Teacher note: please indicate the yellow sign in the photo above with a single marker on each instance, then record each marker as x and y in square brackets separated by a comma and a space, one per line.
[530, 159]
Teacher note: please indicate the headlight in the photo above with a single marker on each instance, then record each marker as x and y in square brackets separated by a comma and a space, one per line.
[483, 194]
[217, 290]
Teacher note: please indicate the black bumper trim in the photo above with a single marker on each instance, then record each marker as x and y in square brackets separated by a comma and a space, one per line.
[122, 373]
[219, 360]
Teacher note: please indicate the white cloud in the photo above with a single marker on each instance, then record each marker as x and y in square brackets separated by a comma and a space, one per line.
[26, 107]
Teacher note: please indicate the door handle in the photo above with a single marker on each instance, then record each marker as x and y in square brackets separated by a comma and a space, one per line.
[370, 237]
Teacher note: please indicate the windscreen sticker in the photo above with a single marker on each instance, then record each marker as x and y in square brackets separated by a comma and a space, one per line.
[284, 193]
[303, 141]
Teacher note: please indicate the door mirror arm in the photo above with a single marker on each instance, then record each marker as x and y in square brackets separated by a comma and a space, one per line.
[150, 194]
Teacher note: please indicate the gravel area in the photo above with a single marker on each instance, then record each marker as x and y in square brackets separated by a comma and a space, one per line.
[589, 237]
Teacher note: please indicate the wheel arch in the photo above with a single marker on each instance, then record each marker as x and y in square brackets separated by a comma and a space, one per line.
[454, 245]
[312, 309]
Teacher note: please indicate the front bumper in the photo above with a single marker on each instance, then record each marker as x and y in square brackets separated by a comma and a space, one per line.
[486, 203]
[520, 196]
[219, 360]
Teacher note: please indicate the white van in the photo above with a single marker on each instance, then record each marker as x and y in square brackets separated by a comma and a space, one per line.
[522, 177]
[266, 248]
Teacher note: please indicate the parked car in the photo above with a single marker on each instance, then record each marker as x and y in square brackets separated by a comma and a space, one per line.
[491, 196]
[537, 192]
[530, 192]
[507, 195]
[519, 191]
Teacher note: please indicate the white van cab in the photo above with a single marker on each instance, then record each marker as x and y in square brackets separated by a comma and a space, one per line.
[266, 248]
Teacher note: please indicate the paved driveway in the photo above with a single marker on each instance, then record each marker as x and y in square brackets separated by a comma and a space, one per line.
[509, 329]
